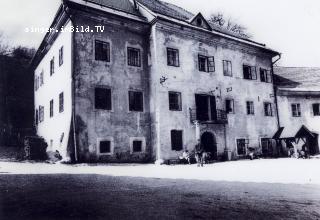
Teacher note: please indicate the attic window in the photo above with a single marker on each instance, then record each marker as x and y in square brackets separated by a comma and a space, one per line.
[199, 21]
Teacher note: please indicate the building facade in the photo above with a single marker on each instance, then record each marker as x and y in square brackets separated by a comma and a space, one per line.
[298, 97]
[153, 83]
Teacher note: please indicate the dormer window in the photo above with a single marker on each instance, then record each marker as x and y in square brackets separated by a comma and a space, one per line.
[199, 21]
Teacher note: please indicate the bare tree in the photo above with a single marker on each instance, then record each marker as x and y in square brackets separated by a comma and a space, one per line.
[228, 24]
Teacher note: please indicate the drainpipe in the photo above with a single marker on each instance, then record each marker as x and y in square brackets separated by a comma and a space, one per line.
[73, 86]
[275, 89]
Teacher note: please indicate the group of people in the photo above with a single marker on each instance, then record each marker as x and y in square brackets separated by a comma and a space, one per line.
[199, 154]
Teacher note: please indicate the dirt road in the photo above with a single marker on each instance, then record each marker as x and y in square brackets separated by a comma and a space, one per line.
[84, 196]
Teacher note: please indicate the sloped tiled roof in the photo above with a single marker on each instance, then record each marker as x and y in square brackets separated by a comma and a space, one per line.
[167, 9]
[121, 5]
[297, 78]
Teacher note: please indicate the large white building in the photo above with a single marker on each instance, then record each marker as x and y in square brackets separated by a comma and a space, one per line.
[153, 82]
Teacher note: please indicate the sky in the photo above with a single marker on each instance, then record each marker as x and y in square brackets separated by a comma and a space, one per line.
[291, 27]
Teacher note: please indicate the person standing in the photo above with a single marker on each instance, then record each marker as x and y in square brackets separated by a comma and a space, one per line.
[199, 153]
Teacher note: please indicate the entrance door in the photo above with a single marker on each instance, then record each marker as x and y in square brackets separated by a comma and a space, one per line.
[209, 144]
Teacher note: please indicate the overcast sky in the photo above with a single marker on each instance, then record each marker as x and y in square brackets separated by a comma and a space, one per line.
[291, 27]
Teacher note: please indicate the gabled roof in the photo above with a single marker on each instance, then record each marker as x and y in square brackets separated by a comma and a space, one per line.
[298, 79]
[121, 5]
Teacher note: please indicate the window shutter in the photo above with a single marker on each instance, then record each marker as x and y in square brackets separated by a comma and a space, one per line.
[211, 66]
[253, 72]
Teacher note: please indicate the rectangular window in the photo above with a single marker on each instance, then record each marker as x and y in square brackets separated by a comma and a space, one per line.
[296, 110]
[51, 108]
[242, 145]
[227, 68]
[249, 72]
[37, 117]
[61, 102]
[41, 78]
[36, 83]
[134, 58]
[102, 51]
[137, 146]
[61, 56]
[316, 109]
[175, 101]
[41, 113]
[268, 109]
[172, 57]
[229, 106]
[265, 75]
[52, 66]
[206, 64]
[103, 99]
[176, 140]
[135, 101]
[250, 108]
[105, 147]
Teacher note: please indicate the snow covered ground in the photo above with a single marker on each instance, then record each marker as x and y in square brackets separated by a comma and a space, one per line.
[287, 171]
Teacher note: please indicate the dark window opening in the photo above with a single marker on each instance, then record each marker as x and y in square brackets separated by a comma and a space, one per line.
[250, 108]
[41, 113]
[316, 109]
[268, 109]
[103, 99]
[137, 146]
[199, 22]
[135, 101]
[206, 107]
[37, 116]
[51, 108]
[249, 72]
[61, 102]
[176, 140]
[242, 145]
[206, 64]
[265, 75]
[52, 66]
[134, 58]
[227, 68]
[296, 110]
[230, 106]
[102, 51]
[61, 56]
[175, 101]
[105, 147]
[172, 57]
[266, 145]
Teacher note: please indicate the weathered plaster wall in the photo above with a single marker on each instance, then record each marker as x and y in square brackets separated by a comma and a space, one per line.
[293, 124]
[188, 80]
[119, 124]
[51, 129]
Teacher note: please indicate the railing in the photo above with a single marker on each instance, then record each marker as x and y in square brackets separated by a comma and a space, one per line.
[220, 117]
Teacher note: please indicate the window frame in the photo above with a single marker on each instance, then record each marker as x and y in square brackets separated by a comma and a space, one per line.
[41, 113]
[51, 108]
[95, 98]
[249, 110]
[61, 102]
[252, 75]
[176, 148]
[111, 140]
[139, 61]
[297, 110]
[61, 50]
[266, 110]
[99, 57]
[225, 64]
[142, 104]
[52, 69]
[179, 101]
[176, 58]
[209, 64]
[313, 109]
[231, 101]
[143, 146]
[246, 145]
[265, 75]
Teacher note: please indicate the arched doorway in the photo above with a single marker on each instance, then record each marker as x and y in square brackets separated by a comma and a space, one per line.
[209, 144]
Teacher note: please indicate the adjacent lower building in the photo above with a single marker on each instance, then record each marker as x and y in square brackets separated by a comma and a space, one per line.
[298, 98]
[139, 81]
